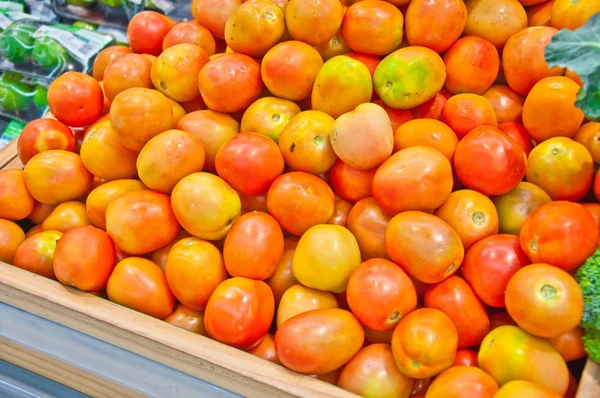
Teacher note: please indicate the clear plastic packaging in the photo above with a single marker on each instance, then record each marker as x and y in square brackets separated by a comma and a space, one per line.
[46, 51]
[22, 97]
[108, 13]
[176, 9]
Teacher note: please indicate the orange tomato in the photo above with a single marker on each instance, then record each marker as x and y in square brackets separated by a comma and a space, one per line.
[159, 257]
[573, 14]
[269, 116]
[16, 203]
[84, 258]
[11, 237]
[540, 14]
[213, 14]
[415, 178]
[426, 132]
[99, 199]
[190, 32]
[424, 343]
[239, 312]
[312, 21]
[523, 388]
[127, 71]
[508, 105]
[74, 90]
[299, 299]
[53, 177]
[141, 285]
[283, 278]
[588, 135]
[40, 212]
[161, 173]
[350, 183]
[463, 382]
[569, 344]
[188, 319]
[146, 32]
[319, 341]
[435, 24]
[194, 268]
[483, 17]
[472, 65]
[368, 222]
[105, 57]
[463, 112]
[42, 135]
[266, 349]
[424, 246]
[141, 221]
[67, 215]
[36, 253]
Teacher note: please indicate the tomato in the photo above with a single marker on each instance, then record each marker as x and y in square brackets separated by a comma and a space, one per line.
[141, 285]
[342, 84]
[11, 237]
[463, 381]
[159, 256]
[368, 222]
[380, 294]
[509, 353]
[146, 32]
[525, 389]
[435, 24]
[424, 246]
[127, 71]
[185, 318]
[75, 99]
[523, 58]
[431, 109]
[213, 14]
[269, 116]
[67, 215]
[515, 206]
[588, 135]
[299, 299]
[105, 57]
[490, 263]
[213, 129]
[518, 133]
[33, 230]
[283, 278]
[488, 161]
[351, 184]
[371, 62]
[508, 105]
[239, 312]
[483, 17]
[161, 173]
[54, 177]
[16, 203]
[141, 221]
[594, 208]
[377, 337]
[560, 233]
[372, 373]
[230, 83]
[341, 212]
[36, 253]
[40, 212]
[305, 142]
[500, 319]
[424, 343]
[550, 111]
[312, 21]
[138, 114]
[464, 112]
[390, 77]
[421, 387]
[573, 14]
[190, 32]
[472, 65]
[194, 268]
[99, 199]
[101, 150]
[205, 205]
[43, 135]
[289, 70]
[299, 201]
[426, 132]
[325, 257]
[465, 357]
[569, 344]
[84, 258]
[266, 349]
[319, 341]
[415, 178]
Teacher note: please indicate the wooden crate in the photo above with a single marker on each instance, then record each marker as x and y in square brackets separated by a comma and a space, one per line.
[224, 366]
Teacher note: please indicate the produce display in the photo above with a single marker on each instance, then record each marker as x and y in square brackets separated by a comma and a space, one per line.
[397, 197]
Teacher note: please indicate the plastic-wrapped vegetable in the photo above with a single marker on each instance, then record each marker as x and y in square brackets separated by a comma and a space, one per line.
[16, 42]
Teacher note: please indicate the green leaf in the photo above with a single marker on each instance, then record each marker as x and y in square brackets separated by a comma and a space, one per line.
[579, 50]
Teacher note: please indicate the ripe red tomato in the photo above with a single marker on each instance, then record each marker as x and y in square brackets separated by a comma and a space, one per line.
[367, 222]
[43, 135]
[463, 381]
[350, 183]
[465, 357]
[146, 32]
[75, 99]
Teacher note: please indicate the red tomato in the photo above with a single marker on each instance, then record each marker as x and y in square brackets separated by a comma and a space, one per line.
[518, 133]
[463, 382]
[350, 183]
[146, 32]
[43, 135]
[367, 222]
[570, 344]
[190, 32]
[455, 298]
[239, 312]
[488, 161]
[75, 99]
[249, 162]
[501, 319]
[489, 265]
[465, 357]
[36, 253]
[105, 57]
[266, 350]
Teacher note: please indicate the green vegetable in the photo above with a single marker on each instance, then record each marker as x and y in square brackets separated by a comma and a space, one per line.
[16, 42]
[588, 277]
[84, 25]
[579, 50]
[40, 97]
[50, 54]
[14, 96]
[112, 3]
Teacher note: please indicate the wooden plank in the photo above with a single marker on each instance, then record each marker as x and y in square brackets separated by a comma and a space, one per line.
[589, 385]
[8, 154]
[195, 355]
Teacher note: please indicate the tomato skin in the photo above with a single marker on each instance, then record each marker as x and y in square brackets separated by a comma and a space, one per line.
[141, 285]
[424, 343]
[283, 278]
[213, 15]
[16, 203]
[501, 319]
[105, 57]
[299, 299]
[588, 135]
[472, 65]
[146, 32]
[299, 201]
[40, 212]
[367, 222]
[464, 112]
[269, 116]
[508, 105]
[126, 71]
[75, 91]
[572, 15]
[431, 109]
[544, 300]
[372, 373]
[426, 132]
[483, 17]
[463, 381]
[190, 32]
[540, 14]
[65, 216]
[84, 258]
[266, 349]
[351, 184]
[518, 133]
[159, 256]
[465, 357]
[409, 243]
[11, 238]
[341, 212]
[560, 233]
[98, 200]
[569, 344]
[319, 341]
[508, 353]
[188, 319]
[515, 206]
[490, 263]
[42, 135]
[455, 298]
[239, 312]
[488, 161]
[523, 388]
[313, 22]
[36, 253]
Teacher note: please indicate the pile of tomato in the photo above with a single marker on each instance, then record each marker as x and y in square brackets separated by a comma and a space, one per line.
[391, 196]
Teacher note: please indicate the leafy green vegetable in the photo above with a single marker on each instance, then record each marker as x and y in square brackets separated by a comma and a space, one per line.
[588, 277]
[579, 50]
